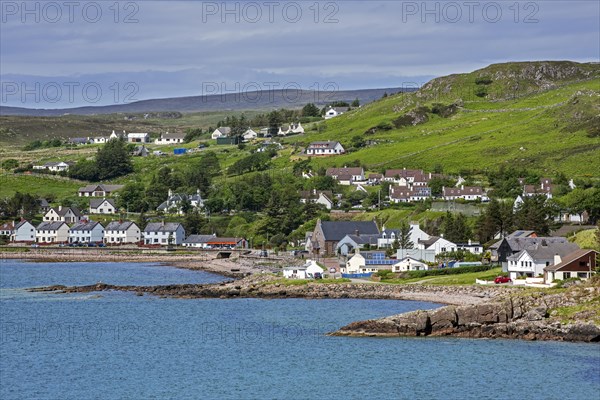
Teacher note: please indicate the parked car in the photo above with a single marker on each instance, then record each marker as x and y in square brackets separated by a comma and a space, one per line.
[35, 245]
[318, 275]
[502, 279]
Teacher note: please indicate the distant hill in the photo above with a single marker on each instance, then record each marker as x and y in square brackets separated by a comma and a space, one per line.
[257, 100]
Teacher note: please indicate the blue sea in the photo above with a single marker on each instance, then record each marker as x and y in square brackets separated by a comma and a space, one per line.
[114, 345]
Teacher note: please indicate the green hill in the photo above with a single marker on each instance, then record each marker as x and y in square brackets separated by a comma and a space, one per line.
[543, 116]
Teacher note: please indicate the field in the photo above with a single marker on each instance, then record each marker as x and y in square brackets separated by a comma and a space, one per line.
[459, 279]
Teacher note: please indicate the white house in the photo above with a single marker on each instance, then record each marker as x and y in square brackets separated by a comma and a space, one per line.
[531, 261]
[367, 262]
[352, 242]
[290, 129]
[222, 131]
[409, 264]
[198, 241]
[438, 244]
[102, 206]
[326, 148]
[99, 139]
[66, 214]
[114, 135]
[404, 194]
[54, 166]
[24, 231]
[388, 236]
[464, 192]
[7, 229]
[335, 111]
[100, 190]
[471, 247]
[52, 232]
[347, 175]
[86, 232]
[164, 233]
[249, 134]
[175, 201]
[170, 138]
[138, 137]
[324, 197]
[120, 232]
[305, 271]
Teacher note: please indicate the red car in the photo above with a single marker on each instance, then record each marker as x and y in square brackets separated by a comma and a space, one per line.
[502, 279]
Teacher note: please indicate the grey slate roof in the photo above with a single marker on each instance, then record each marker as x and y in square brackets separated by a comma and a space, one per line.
[119, 225]
[323, 145]
[85, 226]
[198, 238]
[63, 211]
[364, 239]
[336, 230]
[520, 243]
[162, 227]
[95, 203]
[103, 187]
[546, 250]
[50, 226]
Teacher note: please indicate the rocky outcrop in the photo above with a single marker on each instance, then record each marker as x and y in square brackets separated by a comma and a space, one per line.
[514, 317]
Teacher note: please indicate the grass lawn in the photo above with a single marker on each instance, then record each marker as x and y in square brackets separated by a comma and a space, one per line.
[38, 185]
[459, 279]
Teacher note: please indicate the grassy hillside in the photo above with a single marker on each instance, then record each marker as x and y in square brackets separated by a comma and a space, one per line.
[586, 239]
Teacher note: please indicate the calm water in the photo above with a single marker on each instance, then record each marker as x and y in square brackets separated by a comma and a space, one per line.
[118, 345]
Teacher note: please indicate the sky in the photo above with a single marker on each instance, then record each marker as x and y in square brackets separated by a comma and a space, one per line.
[57, 54]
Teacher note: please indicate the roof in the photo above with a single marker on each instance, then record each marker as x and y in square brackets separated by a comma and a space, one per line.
[119, 225]
[323, 144]
[137, 134]
[225, 240]
[520, 243]
[64, 210]
[85, 226]
[546, 250]
[20, 224]
[417, 174]
[463, 190]
[172, 135]
[162, 227]
[103, 187]
[43, 203]
[50, 226]
[344, 172]
[95, 203]
[336, 230]
[569, 258]
[7, 226]
[198, 238]
[314, 194]
[225, 130]
[338, 109]
[364, 239]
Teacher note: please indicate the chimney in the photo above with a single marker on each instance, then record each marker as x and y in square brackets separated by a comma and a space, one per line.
[59, 208]
[162, 223]
[469, 242]
[462, 187]
[356, 232]
[170, 193]
[557, 259]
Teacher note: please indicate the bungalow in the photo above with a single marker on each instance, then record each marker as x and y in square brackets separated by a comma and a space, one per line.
[368, 262]
[164, 233]
[437, 244]
[249, 134]
[465, 193]
[120, 232]
[290, 129]
[335, 111]
[102, 206]
[54, 166]
[7, 228]
[78, 140]
[227, 243]
[101, 190]
[326, 148]
[200, 241]
[578, 264]
[66, 214]
[327, 234]
[409, 264]
[175, 201]
[24, 231]
[138, 137]
[532, 260]
[170, 138]
[99, 139]
[324, 197]
[86, 232]
[351, 242]
[308, 270]
[346, 176]
[220, 132]
[471, 247]
[402, 194]
[52, 232]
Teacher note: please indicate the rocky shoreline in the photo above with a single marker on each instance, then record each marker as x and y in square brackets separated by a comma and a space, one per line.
[527, 316]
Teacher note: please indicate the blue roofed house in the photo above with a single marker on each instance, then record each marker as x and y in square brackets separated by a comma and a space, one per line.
[367, 262]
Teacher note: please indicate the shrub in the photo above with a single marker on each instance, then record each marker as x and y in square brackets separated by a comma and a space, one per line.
[483, 80]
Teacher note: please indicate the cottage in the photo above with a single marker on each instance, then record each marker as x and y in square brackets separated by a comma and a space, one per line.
[402, 194]
[471, 247]
[323, 197]
[175, 201]
[24, 231]
[102, 206]
[86, 232]
[374, 179]
[78, 140]
[121, 232]
[465, 193]
[333, 112]
[389, 236]
[368, 262]
[199, 241]
[164, 233]
[101, 190]
[44, 205]
[406, 177]
[138, 137]
[170, 138]
[100, 139]
[327, 234]
[409, 264]
[249, 134]
[220, 132]
[327, 148]
[52, 232]
[55, 166]
[531, 261]
[577, 264]
[544, 188]
[117, 136]
[66, 214]
[346, 176]
[290, 129]
[306, 271]
[437, 244]
[7, 229]
[351, 242]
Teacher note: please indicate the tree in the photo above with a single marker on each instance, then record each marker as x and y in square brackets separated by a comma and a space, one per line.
[113, 160]
[193, 222]
[310, 110]
[438, 183]
[355, 103]
[86, 170]
[132, 197]
[455, 228]
[357, 142]
[404, 236]
[532, 214]
[11, 163]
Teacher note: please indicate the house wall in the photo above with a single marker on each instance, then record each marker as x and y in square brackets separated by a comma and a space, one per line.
[25, 233]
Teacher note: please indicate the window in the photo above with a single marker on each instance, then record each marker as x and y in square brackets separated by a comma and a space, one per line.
[566, 275]
[582, 275]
